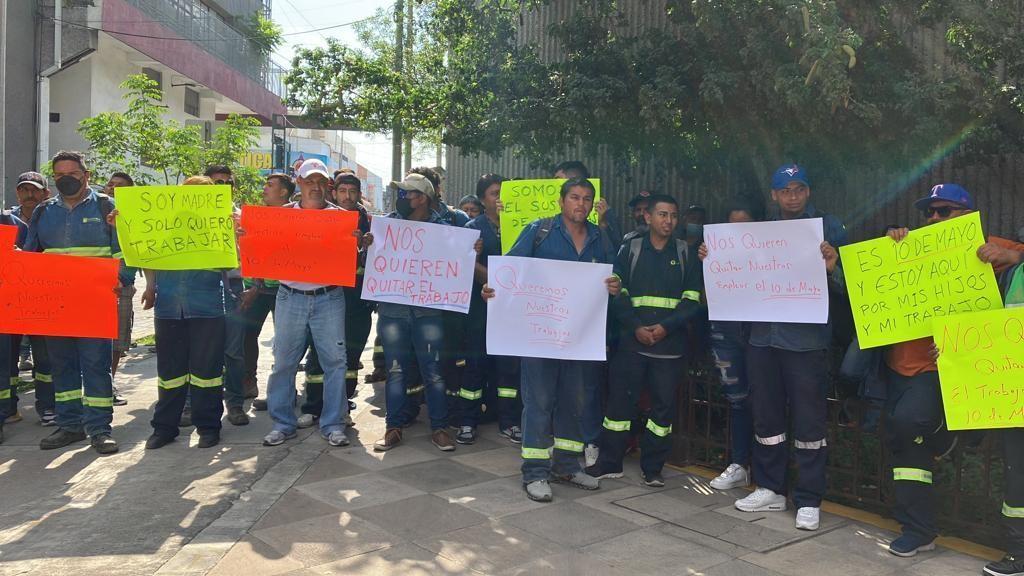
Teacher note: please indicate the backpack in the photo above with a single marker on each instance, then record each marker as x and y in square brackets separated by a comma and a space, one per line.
[636, 244]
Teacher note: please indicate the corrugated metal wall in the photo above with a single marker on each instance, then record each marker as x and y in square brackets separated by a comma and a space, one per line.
[866, 202]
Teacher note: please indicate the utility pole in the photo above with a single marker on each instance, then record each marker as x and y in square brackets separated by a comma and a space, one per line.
[409, 21]
[396, 128]
[3, 103]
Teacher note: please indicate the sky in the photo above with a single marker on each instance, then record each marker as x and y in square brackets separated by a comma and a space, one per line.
[296, 17]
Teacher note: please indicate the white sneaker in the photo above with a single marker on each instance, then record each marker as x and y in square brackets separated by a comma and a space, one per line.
[336, 438]
[762, 500]
[307, 420]
[590, 454]
[735, 476]
[807, 518]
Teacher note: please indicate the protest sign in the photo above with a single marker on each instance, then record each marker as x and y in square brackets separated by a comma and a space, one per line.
[981, 368]
[176, 227]
[313, 246]
[547, 308]
[897, 289]
[527, 200]
[766, 272]
[58, 295]
[420, 264]
[8, 237]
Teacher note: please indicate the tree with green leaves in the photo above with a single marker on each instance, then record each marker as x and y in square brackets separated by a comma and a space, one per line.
[709, 87]
[154, 149]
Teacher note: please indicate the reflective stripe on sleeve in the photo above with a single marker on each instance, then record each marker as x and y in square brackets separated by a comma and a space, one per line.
[1012, 511]
[471, 394]
[691, 295]
[98, 251]
[655, 302]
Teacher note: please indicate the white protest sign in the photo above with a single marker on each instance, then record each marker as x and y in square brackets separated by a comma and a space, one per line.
[766, 272]
[547, 308]
[420, 264]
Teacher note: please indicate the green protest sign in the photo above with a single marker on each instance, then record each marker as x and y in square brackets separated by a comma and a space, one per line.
[897, 289]
[176, 227]
[528, 200]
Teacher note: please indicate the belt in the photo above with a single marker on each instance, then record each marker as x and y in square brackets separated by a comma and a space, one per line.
[315, 292]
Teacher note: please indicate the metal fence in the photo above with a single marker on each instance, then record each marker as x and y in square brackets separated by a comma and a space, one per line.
[968, 485]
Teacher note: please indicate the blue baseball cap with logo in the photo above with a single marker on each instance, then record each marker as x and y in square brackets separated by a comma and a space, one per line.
[789, 173]
[954, 193]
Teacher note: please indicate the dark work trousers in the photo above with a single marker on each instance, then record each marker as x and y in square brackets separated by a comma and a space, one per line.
[255, 317]
[189, 361]
[485, 373]
[234, 345]
[1013, 499]
[13, 359]
[42, 374]
[780, 379]
[453, 361]
[633, 373]
[915, 431]
[358, 320]
[8, 394]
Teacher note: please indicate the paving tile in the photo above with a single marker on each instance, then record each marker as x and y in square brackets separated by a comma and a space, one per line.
[494, 499]
[660, 506]
[651, 552]
[604, 500]
[491, 547]
[360, 491]
[572, 563]
[326, 468]
[685, 534]
[325, 538]
[293, 506]
[570, 524]
[696, 491]
[365, 457]
[867, 542]
[402, 560]
[738, 568]
[500, 462]
[807, 558]
[783, 521]
[253, 557]
[420, 516]
[947, 563]
[437, 476]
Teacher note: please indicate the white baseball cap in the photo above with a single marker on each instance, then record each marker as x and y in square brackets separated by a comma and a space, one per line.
[312, 166]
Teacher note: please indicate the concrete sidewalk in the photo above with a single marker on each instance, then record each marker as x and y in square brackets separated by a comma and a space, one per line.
[306, 508]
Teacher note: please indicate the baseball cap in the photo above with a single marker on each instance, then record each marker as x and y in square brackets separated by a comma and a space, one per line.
[415, 182]
[641, 196]
[312, 166]
[949, 192]
[789, 173]
[34, 178]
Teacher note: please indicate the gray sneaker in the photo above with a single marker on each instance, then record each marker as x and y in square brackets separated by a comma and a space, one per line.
[336, 438]
[538, 491]
[307, 420]
[276, 437]
[580, 480]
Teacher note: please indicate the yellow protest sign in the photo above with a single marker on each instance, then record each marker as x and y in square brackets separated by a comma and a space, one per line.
[528, 200]
[981, 369]
[176, 227]
[897, 289]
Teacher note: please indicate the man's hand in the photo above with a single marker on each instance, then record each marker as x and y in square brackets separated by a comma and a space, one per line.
[933, 352]
[998, 256]
[248, 297]
[614, 285]
[830, 255]
[658, 332]
[117, 289]
[478, 246]
[149, 297]
[702, 252]
[897, 234]
[644, 336]
[602, 212]
[112, 218]
[487, 292]
[367, 240]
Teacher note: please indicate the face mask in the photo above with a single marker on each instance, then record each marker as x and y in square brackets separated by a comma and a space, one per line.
[68, 185]
[694, 231]
[403, 207]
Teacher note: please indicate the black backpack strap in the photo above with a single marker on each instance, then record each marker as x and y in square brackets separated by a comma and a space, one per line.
[635, 244]
[543, 229]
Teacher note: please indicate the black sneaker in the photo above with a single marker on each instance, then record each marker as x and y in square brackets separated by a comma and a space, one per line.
[157, 441]
[653, 480]
[209, 439]
[103, 444]
[1008, 566]
[237, 416]
[61, 438]
[466, 435]
[600, 471]
[910, 544]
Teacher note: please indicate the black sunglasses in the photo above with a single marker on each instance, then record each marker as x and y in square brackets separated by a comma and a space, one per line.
[228, 182]
[942, 211]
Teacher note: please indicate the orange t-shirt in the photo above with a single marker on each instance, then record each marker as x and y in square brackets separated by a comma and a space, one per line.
[911, 358]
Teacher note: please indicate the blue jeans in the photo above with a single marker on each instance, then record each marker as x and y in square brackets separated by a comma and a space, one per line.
[401, 339]
[234, 345]
[82, 363]
[728, 344]
[323, 315]
[553, 403]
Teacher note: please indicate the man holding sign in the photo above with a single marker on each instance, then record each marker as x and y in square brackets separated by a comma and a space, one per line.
[75, 222]
[552, 390]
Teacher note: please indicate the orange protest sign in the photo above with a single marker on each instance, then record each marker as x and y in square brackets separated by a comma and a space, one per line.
[58, 295]
[313, 246]
[8, 236]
